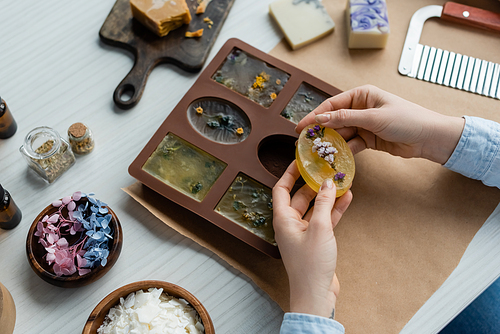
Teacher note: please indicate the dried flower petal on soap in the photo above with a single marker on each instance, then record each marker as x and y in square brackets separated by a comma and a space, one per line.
[339, 176]
[259, 82]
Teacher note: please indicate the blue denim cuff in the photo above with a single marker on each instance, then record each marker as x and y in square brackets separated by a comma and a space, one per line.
[300, 323]
[477, 154]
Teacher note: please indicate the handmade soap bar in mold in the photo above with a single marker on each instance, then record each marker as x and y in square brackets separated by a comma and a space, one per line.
[249, 203]
[251, 77]
[322, 153]
[302, 21]
[219, 121]
[367, 24]
[305, 100]
[184, 167]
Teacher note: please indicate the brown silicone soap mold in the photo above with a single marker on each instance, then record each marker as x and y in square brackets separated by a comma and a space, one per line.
[212, 167]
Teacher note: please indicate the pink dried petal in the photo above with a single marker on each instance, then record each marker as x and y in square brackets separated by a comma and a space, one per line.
[63, 243]
[57, 203]
[69, 268]
[77, 196]
[62, 256]
[82, 252]
[52, 238]
[66, 200]
[50, 228]
[57, 270]
[43, 242]
[53, 219]
[71, 206]
[39, 229]
[83, 271]
[80, 261]
[45, 218]
[50, 249]
[50, 258]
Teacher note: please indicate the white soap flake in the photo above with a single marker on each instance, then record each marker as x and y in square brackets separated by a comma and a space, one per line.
[152, 312]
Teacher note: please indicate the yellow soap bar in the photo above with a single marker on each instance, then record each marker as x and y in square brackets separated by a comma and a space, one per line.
[161, 16]
[302, 21]
[367, 24]
[322, 154]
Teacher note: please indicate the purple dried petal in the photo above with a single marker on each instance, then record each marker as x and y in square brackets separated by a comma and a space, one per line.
[339, 176]
[317, 128]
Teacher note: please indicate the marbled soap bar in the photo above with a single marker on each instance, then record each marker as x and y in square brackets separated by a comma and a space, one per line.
[368, 24]
[302, 21]
[161, 16]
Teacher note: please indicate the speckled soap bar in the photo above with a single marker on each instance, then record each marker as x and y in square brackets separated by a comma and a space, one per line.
[368, 24]
[302, 21]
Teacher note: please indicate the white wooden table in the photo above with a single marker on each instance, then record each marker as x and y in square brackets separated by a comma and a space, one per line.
[55, 71]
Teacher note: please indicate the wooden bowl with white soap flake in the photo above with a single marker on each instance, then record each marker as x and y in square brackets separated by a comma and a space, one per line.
[98, 315]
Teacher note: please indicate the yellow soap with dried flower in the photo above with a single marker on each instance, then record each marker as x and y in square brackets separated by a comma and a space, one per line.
[322, 154]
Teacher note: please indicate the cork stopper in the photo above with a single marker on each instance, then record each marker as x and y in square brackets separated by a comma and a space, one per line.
[77, 130]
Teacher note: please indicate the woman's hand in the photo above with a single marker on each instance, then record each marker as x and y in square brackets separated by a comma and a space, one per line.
[368, 117]
[307, 242]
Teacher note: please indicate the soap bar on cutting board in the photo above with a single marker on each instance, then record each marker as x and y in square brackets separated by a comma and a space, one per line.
[302, 21]
[161, 16]
[367, 24]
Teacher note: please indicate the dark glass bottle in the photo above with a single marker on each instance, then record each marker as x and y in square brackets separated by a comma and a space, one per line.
[8, 125]
[10, 215]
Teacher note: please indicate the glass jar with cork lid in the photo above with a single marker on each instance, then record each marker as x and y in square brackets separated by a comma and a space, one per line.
[80, 138]
[47, 153]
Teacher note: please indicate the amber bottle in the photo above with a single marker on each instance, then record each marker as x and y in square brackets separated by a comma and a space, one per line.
[10, 215]
[8, 125]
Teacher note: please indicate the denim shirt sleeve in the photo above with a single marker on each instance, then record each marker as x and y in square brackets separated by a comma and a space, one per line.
[300, 323]
[477, 154]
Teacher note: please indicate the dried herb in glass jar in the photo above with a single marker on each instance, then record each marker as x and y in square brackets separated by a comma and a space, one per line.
[47, 153]
[80, 138]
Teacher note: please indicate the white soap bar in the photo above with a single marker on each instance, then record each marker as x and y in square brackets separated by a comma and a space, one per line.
[302, 21]
[367, 24]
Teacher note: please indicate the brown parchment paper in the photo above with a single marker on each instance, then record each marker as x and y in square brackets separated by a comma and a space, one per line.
[410, 220]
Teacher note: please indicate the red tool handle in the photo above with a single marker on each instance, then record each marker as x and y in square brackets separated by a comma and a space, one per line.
[471, 16]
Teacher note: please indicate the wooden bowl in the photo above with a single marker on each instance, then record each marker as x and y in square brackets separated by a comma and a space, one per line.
[35, 252]
[7, 311]
[97, 316]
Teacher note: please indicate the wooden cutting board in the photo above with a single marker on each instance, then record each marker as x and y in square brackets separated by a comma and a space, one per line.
[121, 30]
